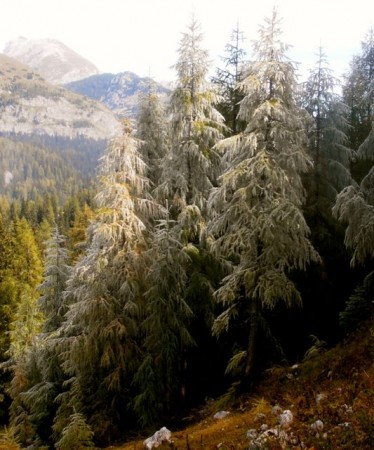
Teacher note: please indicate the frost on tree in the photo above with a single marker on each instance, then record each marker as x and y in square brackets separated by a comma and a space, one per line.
[258, 220]
[327, 136]
[355, 207]
[228, 78]
[153, 131]
[358, 91]
[100, 326]
[56, 274]
[190, 169]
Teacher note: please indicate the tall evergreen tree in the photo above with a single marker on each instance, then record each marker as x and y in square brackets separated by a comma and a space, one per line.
[43, 372]
[228, 78]
[26, 325]
[153, 130]
[27, 274]
[165, 327]
[355, 207]
[354, 203]
[189, 171]
[56, 274]
[100, 325]
[358, 91]
[258, 222]
[323, 290]
[327, 137]
[8, 303]
[27, 262]
[77, 235]
[7, 286]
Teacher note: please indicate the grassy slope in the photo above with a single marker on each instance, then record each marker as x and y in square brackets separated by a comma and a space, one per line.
[336, 387]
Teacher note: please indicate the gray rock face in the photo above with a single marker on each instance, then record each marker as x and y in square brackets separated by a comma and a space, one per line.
[221, 415]
[161, 436]
[30, 105]
[119, 92]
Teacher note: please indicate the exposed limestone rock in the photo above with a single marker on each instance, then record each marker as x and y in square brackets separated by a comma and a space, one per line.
[221, 414]
[161, 436]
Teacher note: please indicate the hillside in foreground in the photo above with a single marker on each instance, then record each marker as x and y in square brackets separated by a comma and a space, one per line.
[326, 402]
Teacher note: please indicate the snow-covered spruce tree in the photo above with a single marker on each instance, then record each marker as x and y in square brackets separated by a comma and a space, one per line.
[325, 287]
[189, 170]
[153, 130]
[327, 137]
[354, 207]
[175, 271]
[101, 327]
[227, 80]
[165, 327]
[56, 274]
[358, 92]
[258, 222]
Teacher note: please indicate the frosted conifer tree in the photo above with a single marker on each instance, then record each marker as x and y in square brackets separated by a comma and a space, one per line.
[358, 91]
[153, 130]
[355, 207]
[228, 78]
[327, 138]
[100, 325]
[258, 219]
[165, 327]
[56, 274]
[188, 172]
[354, 204]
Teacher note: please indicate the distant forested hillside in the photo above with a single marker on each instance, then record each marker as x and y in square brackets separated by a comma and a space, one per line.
[29, 170]
[81, 152]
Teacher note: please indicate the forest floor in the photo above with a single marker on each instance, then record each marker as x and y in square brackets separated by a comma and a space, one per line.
[326, 402]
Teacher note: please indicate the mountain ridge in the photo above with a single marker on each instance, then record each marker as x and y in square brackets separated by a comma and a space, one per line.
[119, 92]
[31, 105]
[60, 65]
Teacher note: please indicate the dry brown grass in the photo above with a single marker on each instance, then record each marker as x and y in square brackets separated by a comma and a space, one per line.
[336, 387]
[227, 433]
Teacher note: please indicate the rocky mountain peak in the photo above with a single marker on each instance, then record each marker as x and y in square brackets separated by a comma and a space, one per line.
[56, 62]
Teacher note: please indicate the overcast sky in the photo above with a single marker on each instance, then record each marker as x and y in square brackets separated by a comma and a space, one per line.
[143, 35]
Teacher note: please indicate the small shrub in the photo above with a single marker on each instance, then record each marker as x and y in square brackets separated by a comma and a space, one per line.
[77, 435]
[8, 440]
